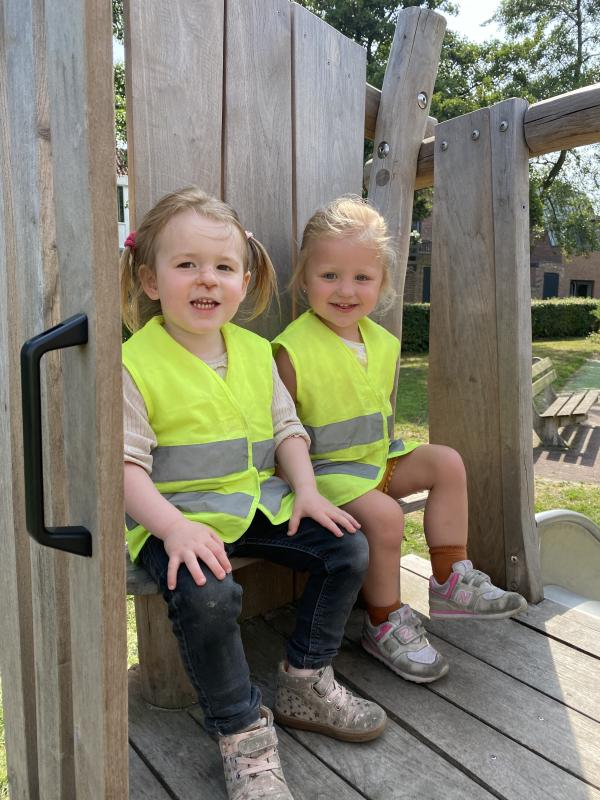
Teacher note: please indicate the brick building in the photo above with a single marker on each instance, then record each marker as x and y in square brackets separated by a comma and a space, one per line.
[551, 275]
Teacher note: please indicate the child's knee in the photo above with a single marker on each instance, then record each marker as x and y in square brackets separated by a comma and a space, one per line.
[214, 603]
[354, 553]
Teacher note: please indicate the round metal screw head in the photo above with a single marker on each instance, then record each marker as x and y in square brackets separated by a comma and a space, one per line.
[504, 125]
[383, 149]
[444, 145]
[475, 135]
[514, 559]
[422, 99]
[493, 757]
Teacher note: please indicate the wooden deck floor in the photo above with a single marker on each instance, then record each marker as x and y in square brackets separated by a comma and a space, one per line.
[517, 717]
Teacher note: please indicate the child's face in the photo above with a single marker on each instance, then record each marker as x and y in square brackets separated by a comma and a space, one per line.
[342, 279]
[199, 277]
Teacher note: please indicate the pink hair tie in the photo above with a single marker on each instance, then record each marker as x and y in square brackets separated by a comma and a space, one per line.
[249, 234]
[130, 240]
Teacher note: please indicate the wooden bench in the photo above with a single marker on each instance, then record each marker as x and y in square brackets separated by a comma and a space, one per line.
[557, 410]
[266, 586]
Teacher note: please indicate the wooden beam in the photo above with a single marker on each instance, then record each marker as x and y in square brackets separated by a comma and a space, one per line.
[560, 123]
[401, 123]
[372, 100]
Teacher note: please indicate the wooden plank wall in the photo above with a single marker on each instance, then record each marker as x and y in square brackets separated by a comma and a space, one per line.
[274, 147]
[63, 616]
[480, 338]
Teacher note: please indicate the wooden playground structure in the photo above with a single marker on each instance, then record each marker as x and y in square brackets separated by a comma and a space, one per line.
[260, 102]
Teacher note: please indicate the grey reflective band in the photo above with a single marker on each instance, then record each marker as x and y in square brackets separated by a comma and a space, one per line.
[356, 468]
[188, 462]
[397, 446]
[341, 435]
[390, 426]
[130, 523]
[237, 504]
[272, 492]
[263, 454]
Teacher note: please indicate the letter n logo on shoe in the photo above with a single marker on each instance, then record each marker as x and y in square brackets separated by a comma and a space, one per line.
[463, 597]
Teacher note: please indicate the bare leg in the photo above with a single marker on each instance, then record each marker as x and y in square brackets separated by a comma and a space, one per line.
[441, 470]
[382, 522]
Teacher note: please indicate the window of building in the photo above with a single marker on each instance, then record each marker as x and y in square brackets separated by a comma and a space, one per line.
[426, 285]
[120, 204]
[582, 289]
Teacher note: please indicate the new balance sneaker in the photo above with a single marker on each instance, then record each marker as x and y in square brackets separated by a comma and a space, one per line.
[469, 593]
[251, 763]
[319, 703]
[401, 644]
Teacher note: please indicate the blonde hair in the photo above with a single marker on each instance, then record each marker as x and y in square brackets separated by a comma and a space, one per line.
[350, 215]
[136, 307]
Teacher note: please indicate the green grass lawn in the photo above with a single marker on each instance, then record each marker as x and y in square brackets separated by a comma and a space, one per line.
[412, 423]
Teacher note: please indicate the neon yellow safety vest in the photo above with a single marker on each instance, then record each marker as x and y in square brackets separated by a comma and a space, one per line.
[345, 409]
[215, 454]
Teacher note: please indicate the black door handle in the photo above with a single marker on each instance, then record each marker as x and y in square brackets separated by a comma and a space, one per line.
[75, 538]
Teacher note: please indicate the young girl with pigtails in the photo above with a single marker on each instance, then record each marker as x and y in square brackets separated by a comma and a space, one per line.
[206, 421]
[339, 366]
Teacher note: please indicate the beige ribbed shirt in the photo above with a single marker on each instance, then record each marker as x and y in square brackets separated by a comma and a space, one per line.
[139, 436]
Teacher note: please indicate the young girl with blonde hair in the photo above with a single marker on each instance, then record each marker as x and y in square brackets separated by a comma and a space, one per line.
[340, 366]
[206, 419]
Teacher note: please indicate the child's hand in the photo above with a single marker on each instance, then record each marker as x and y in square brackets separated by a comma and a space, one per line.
[189, 541]
[309, 503]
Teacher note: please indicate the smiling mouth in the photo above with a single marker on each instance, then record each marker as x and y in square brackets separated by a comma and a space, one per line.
[204, 304]
[345, 306]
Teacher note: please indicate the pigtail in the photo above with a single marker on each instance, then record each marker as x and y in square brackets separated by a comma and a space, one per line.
[130, 290]
[264, 278]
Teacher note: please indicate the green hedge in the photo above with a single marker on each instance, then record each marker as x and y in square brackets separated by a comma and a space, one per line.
[550, 319]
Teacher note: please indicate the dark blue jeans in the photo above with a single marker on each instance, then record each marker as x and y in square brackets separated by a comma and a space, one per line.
[205, 618]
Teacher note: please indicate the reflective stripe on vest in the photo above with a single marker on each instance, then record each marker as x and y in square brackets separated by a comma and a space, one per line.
[184, 462]
[272, 492]
[356, 468]
[337, 435]
[263, 454]
[397, 447]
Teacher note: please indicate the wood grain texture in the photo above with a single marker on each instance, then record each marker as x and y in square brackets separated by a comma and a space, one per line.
[17, 240]
[510, 209]
[562, 122]
[81, 129]
[174, 73]
[329, 101]
[142, 783]
[372, 100]
[555, 669]
[257, 134]
[401, 124]
[480, 362]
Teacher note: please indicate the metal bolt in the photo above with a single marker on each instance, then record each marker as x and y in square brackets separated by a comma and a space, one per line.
[504, 125]
[541, 719]
[475, 135]
[383, 149]
[514, 559]
[422, 99]
[444, 145]
[493, 757]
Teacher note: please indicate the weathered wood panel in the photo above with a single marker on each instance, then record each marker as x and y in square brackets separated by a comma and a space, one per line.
[479, 339]
[372, 100]
[80, 97]
[257, 134]
[551, 667]
[329, 100]
[18, 246]
[174, 73]
[143, 785]
[401, 122]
